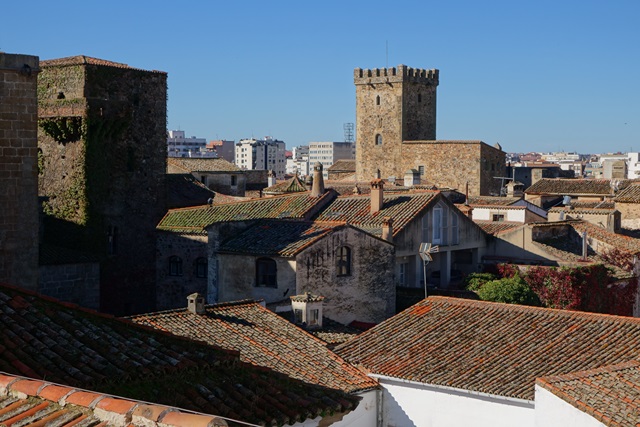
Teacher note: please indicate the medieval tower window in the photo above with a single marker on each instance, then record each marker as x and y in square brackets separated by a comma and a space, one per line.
[421, 170]
[175, 266]
[201, 267]
[343, 261]
[378, 139]
[266, 273]
[378, 100]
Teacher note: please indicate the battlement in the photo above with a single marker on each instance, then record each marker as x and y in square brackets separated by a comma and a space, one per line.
[399, 74]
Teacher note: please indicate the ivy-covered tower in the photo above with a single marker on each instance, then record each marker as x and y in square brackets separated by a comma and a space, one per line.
[102, 162]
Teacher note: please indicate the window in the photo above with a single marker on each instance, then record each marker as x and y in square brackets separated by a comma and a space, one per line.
[201, 267]
[175, 266]
[455, 238]
[421, 170]
[266, 273]
[313, 317]
[297, 315]
[437, 225]
[234, 180]
[203, 179]
[343, 263]
[378, 100]
[378, 139]
[402, 275]
[498, 217]
[445, 227]
[419, 97]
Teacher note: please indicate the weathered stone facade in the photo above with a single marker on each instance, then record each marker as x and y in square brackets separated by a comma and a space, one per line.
[102, 133]
[75, 283]
[396, 131]
[18, 170]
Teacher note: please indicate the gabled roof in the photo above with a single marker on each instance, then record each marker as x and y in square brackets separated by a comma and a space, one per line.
[184, 190]
[492, 201]
[343, 165]
[263, 338]
[577, 187]
[43, 339]
[193, 164]
[497, 227]
[356, 210]
[493, 348]
[609, 394]
[631, 194]
[278, 238]
[27, 402]
[194, 220]
[293, 185]
[87, 60]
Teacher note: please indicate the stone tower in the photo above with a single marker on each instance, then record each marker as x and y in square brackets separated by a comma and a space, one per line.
[102, 136]
[392, 105]
[18, 170]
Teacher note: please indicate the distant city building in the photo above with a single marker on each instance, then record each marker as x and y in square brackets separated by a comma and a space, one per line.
[327, 153]
[633, 165]
[180, 146]
[261, 154]
[224, 149]
[299, 161]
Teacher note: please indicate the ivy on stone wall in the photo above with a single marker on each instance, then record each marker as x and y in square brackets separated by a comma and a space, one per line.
[62, 129]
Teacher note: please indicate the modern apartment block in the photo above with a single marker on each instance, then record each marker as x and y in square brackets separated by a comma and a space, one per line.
[328, 153]
[178, 145]
[262, 154]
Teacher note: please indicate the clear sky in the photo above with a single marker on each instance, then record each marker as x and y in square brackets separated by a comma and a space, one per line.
[533, 76]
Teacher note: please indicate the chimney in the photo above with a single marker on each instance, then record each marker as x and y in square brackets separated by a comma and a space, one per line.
[317, 188]
[195, 303]
[377, 195]
[387, 229]
[307, 310]
[271, 178]
[411, 178]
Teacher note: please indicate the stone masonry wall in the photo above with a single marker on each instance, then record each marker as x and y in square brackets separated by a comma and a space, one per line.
[75, 283]
[18, 170]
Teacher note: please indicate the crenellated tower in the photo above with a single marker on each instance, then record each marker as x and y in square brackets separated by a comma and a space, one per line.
[392, 105]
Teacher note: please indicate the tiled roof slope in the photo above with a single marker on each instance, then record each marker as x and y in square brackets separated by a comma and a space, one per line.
[568, 186]
[192, 164]
[293, 185]
[583, 204]
[32, 403]
[298, 206]
[631, 194]
[497, 227]
[43, 339]
[87, 60]
[277, 238]
[356, 210]
[609, 394]
[343, 165]
[264, 339]
[492, 348]
[183, 190]
[619, 241]
[492, 200]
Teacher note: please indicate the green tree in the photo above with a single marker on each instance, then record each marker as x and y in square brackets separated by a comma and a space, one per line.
[474, 281]
[512, 290]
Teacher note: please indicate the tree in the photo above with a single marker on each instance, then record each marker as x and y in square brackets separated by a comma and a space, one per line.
[510, 290]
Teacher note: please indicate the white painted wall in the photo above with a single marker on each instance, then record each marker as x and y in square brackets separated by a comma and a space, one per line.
[551, 411]
[486, 214]
[365, 414]
[409, 404]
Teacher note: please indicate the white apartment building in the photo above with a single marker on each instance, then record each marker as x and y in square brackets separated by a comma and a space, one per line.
[633, 165]
[180, 146]
[328, 153]
[299, 161]
[262, 154]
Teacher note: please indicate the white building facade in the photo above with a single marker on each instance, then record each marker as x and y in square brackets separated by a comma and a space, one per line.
[262, 154]
[180, 146]
[299, 161]
[328, 153]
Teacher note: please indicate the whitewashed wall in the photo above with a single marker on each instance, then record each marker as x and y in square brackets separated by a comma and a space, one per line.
[551, 411]
[365, 414]
[408, 404]
[486, 214]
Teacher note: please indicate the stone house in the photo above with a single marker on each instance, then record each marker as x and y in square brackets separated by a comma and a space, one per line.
[274, 259]
[509, 209]
[411, 218]
[627, 202]
[435, 371]
[551, 192]
[396, 132]
[217, 174]
[602, 214]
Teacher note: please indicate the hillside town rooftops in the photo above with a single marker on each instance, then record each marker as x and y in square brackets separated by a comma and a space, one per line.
[577, 187]
[492, 201]
[293, 185]
[193, 164]
[631, 194]
[497, 227]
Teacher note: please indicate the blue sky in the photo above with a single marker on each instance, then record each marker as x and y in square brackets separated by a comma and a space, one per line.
[533, 76]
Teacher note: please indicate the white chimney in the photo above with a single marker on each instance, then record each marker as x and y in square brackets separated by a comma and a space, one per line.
[271, 178]
[307, 310]
[195, 303]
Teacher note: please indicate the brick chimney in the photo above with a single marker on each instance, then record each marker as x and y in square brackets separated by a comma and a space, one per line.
[377, 195]
[317, 188]
[387, 229]
[195, 303]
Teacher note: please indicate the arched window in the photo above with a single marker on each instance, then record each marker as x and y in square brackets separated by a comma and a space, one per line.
[378, 100]
[378, 139]
[343, 261]
[175, 266]
[266, 273]
[201, 267]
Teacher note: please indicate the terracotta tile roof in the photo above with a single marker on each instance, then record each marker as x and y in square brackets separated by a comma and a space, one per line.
[194, 220]
[609, 394]
[87, 60]
[277, 238]
[497, 227]
[192, 164]
[577, 211]
[492, 200]
[492, 348]
[43, 339]
[620, 241]
[343, 165]
[631, 194]
[356, 210]
[293, 185]
[263, 338]
[583, 204]
[184, 190]
[568, 186]
[27, 402]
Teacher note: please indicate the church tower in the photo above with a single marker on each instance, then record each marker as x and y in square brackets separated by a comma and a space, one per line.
[392, 105]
